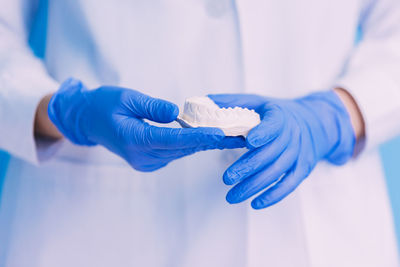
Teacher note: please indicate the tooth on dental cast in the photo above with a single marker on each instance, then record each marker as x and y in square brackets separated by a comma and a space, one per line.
[203, 112]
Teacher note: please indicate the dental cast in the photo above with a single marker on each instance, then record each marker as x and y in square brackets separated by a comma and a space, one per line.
[203, 112]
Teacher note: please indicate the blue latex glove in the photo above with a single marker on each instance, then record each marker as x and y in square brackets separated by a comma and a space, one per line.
[113, 117]
[293, 136]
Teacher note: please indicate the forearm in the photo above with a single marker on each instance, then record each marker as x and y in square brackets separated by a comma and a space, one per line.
[356, 117]
[43, 126]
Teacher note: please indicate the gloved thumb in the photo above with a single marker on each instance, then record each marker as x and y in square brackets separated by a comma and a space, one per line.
[154, 109]
[271, 126]
[237, 100]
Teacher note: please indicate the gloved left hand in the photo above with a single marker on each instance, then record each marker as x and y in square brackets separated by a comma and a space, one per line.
[293, 136]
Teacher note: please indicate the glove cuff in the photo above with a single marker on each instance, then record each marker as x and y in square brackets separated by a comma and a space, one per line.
[65, 109]
[342, 136]
[344, 149]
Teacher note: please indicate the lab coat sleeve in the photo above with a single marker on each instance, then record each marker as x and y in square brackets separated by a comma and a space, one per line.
[372, 74]
[23, 81]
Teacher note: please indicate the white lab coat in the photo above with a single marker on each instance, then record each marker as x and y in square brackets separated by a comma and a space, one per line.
[64, 205]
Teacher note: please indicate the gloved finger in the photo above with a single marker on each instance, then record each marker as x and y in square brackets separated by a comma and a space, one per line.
[272, 125]
[281, 189]
[150, 167]
[158, 158]
[290, 181]
[147, 107]
[179, 138]
[255, 160]
[266, 177]
[232, 142]
[171, 154]
[237, 100]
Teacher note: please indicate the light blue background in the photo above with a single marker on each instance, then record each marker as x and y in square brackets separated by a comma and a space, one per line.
[390, 151]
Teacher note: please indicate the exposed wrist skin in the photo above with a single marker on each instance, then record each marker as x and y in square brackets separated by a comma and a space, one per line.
[43, 126]
[356, 117]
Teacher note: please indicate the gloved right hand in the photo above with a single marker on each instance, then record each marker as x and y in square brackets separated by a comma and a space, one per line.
[113, 117]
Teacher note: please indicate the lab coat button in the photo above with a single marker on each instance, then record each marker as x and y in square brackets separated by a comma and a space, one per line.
[217, 8]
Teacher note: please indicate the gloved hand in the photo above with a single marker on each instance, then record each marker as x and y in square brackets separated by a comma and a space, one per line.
[113, 117]
[293, 136]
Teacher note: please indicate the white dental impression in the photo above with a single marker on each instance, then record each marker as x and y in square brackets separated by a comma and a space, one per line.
[203, 112]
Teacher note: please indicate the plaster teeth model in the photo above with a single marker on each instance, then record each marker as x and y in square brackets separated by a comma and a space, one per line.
[203, 112]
